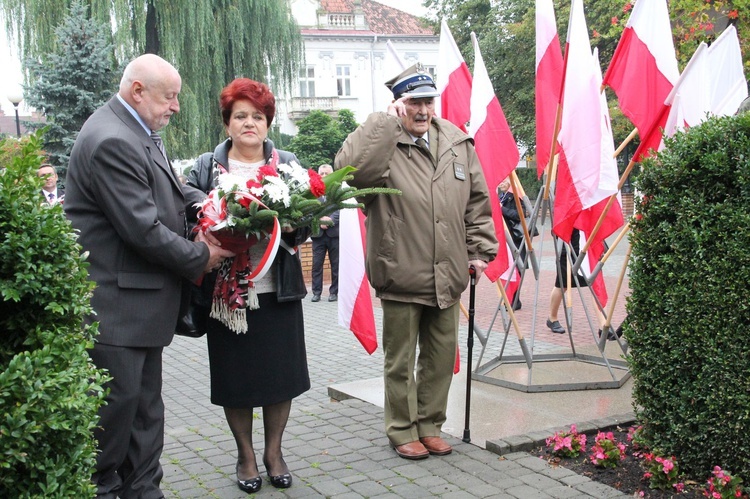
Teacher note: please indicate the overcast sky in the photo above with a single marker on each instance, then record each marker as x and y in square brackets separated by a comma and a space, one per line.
[11, 74]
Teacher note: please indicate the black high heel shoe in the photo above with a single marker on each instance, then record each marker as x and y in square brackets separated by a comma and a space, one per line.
[250, 486]
[283, 481]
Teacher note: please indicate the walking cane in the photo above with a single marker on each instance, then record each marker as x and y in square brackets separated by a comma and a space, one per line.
[470, 345]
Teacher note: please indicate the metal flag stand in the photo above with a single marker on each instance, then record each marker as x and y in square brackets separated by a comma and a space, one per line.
[508, 376]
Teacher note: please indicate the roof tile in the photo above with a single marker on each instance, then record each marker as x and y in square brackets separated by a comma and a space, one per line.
[381, 19]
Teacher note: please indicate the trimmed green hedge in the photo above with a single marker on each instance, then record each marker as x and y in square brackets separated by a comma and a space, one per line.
[689, 309]
[50, 391]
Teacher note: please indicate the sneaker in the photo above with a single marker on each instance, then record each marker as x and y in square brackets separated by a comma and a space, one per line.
[517, 305]
[316, 297]
[333, 298]
[555, 327]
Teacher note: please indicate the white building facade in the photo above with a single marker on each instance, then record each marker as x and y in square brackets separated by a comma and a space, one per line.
[347, 61]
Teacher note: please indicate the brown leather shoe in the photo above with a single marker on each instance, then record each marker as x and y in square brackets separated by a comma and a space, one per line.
[412, 450]
[436, 446]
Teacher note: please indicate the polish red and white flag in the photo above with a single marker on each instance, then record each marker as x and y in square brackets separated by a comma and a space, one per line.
[587, 171]
[644, 70]
[355, 301]
[712, 84]
[454, 81]
[549, 79]
[496, 149]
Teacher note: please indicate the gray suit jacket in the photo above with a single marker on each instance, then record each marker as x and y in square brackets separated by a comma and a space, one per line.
[129, 207]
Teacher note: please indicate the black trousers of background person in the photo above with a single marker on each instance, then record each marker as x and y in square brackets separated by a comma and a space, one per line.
[320, 245]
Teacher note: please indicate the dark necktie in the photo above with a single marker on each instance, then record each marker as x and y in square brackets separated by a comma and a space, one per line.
[157, 140]
[51, 197]
[421, 143]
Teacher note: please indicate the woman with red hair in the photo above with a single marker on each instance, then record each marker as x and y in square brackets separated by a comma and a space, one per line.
[266, 366]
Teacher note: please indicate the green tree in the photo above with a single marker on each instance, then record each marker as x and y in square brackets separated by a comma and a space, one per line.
[210, 42]
[70, 84]
[320, 137]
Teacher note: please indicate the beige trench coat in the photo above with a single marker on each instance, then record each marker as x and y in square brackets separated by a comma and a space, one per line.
[419, 243]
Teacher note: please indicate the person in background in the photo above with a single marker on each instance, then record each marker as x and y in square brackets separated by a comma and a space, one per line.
[327, 240]
[52, 195]
[266, 366]
[513, 221]
[562, 284]
[130, 211]
[420, 247]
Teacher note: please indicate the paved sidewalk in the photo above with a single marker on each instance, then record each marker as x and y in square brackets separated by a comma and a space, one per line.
[335, 449]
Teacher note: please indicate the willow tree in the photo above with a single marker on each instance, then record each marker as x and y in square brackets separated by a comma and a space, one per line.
[210, 42]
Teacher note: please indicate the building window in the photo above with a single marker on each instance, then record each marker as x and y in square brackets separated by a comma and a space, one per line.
[307, 82]
[343, 81]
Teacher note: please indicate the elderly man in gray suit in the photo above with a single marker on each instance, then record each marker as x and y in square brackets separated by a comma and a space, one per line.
[129, 207]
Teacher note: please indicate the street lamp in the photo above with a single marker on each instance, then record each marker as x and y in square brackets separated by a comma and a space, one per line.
[15, 97]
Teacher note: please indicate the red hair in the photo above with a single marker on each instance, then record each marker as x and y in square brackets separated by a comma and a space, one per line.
[257, 93]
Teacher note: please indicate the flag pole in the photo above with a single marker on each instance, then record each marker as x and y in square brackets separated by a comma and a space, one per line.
[516, 327]
[604, 213]
[552, 152]
[625, 142]
[482, 337]
[609, 252]
[613, 302]
[514, 182]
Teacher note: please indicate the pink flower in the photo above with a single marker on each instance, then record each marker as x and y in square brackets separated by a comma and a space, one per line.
[668, 465]
[647, 475]
[680, 487]
[614, 20]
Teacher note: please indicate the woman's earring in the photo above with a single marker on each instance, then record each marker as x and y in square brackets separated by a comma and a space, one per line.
[265, 140]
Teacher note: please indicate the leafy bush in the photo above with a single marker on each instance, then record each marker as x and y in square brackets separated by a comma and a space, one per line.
[689, 309]
[49, 389]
